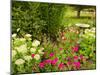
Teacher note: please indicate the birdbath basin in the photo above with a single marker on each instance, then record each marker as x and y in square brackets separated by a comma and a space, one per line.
[82, 27]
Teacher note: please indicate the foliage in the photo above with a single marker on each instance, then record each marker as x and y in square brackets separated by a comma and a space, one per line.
[87, 44]
[25, 53]
[45, 39]
[79, 8]
[37, 18]
[74, 51]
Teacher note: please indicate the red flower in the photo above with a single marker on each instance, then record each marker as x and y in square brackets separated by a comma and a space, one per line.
[75, 57]
[77, 65]
[75, 49]
[48, 61]
[69, 63]
[32, 55]
[41, 65]
[81, 56]
[51, 54]
[61, 65]
[54, 61]
[60, 48]
[68, 58]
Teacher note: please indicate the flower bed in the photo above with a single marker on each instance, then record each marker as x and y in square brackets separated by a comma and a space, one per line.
[73, 51]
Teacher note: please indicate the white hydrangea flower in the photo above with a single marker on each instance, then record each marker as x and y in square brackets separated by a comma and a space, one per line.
[33, 50]
[87, 31]
[40, 51]
[27, 58]
[28, 35]
[85, 36]
[42, 48]
[37, 56]
[92, 35]
[93, 30]
[14, 35]
[35, 43]
[13, 53]
[22, 39]
[19, 61]
[22, 49]
[18, 29]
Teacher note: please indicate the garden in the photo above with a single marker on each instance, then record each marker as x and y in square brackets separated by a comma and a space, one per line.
[52, 37]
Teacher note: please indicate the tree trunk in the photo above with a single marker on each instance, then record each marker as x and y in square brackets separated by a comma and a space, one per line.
[78, 13]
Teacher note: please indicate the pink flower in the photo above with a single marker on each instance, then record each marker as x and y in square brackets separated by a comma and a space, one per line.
[51, 54]
[48, 61]
[81, 56]
[54, 61]
[41, 65]
[68, 58]
[69, 63]
[60, 48]
[32, 55]
[75, 49]
[75, 57]
[77, 65]
[61, 65]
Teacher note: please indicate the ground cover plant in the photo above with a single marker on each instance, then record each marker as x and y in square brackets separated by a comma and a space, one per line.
[51, 37]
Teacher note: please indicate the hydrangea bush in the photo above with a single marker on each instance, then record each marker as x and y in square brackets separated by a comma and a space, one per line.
[25, 53]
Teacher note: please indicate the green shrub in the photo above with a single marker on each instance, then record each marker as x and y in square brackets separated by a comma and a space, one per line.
[37, 18]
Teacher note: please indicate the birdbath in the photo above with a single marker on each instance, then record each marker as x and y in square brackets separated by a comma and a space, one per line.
[82, 27]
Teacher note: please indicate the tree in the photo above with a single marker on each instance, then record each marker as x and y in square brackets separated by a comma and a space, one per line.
[37, 19]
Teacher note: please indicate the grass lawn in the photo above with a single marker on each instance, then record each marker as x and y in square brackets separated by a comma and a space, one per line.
[70, 18]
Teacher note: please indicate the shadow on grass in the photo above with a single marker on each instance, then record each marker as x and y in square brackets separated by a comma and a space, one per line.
[82, 17]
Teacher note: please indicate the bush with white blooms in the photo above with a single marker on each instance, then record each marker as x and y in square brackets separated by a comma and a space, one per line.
[23, 50]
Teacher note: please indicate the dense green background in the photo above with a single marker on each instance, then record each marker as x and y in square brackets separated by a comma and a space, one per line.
[40, 19]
